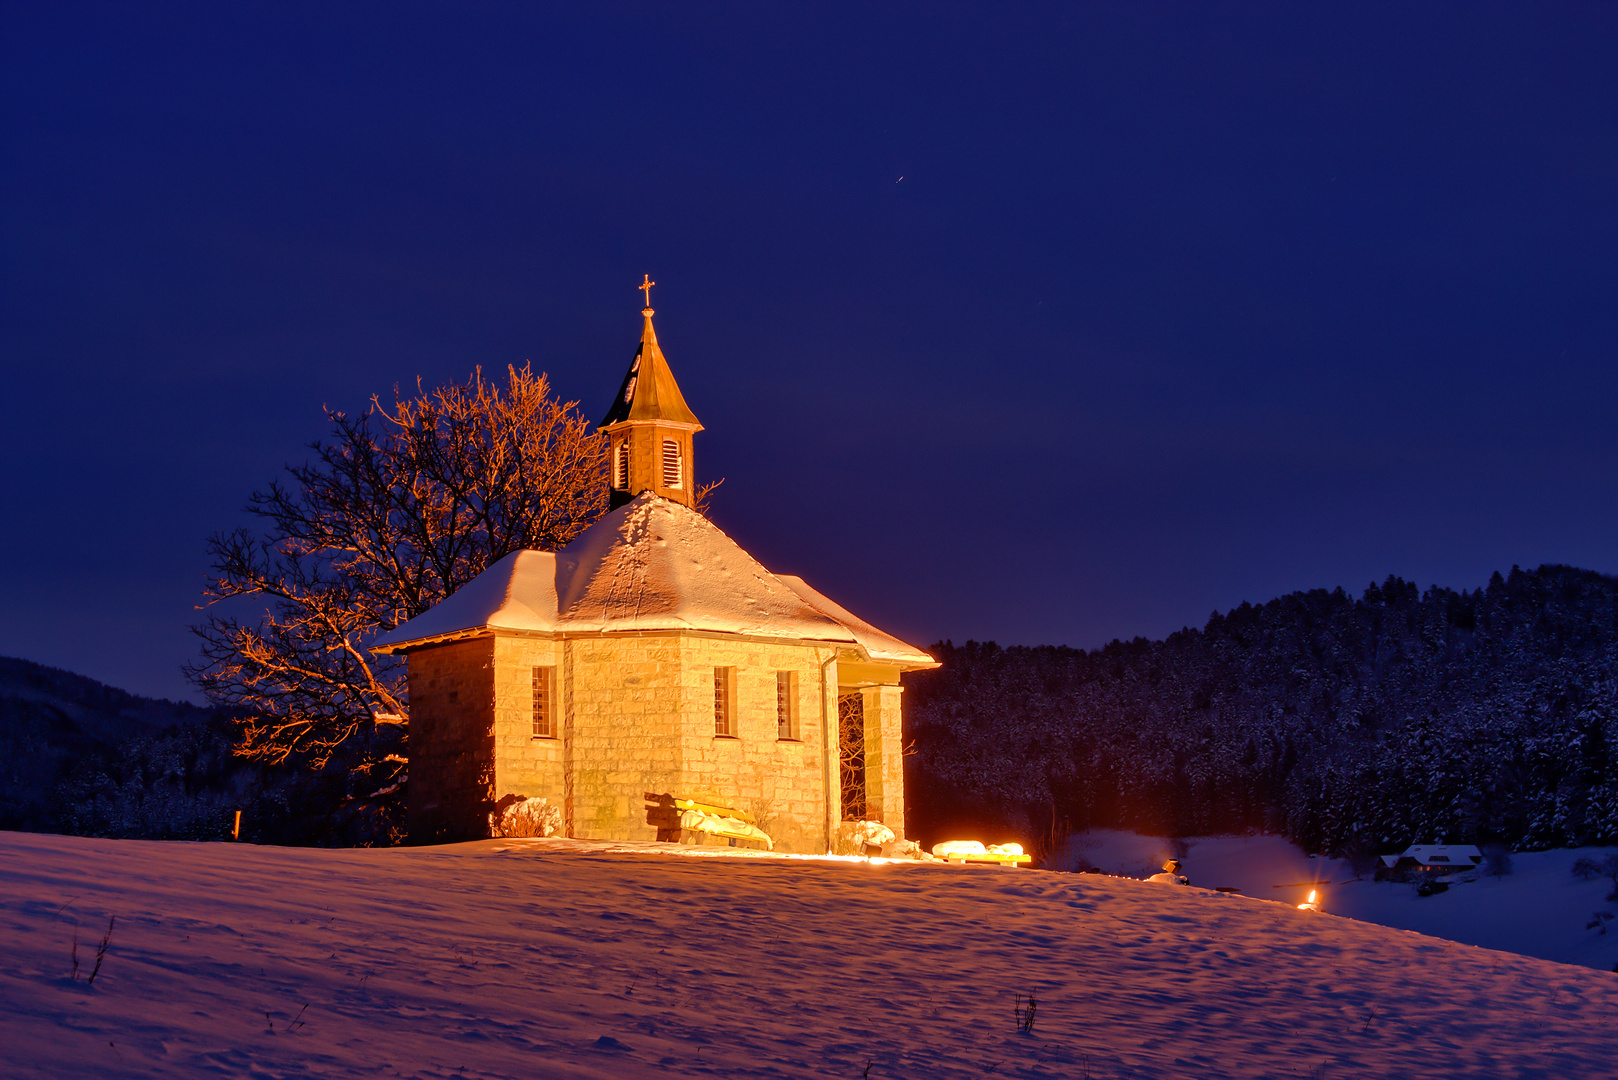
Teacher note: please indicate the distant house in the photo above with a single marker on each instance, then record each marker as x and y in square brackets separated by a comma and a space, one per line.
[1434, 858]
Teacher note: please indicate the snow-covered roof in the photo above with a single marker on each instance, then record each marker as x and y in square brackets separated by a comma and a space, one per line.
[652, 564]
[1438, 855]
[877, 645]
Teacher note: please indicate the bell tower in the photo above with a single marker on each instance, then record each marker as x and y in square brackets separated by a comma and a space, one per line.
[650, 425]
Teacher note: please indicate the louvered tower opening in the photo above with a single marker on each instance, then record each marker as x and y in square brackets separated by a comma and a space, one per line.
[671, 464]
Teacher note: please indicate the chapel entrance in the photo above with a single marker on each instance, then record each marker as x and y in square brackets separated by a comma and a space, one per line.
[851, 753]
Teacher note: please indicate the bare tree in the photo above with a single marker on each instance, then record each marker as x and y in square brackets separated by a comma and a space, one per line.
[402, 506]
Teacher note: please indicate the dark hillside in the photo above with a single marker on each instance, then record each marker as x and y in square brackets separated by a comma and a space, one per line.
[80, 757]
[1345, 723]
[52, 719]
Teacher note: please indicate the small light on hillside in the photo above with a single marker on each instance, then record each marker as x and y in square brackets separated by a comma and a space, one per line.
[1311, 904]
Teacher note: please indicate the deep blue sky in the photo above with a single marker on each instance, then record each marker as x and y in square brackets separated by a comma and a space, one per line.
[1174, 306]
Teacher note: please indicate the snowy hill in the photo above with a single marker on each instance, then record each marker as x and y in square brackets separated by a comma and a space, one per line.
[570, 959]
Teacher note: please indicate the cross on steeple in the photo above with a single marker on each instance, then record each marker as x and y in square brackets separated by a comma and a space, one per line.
[646, 287]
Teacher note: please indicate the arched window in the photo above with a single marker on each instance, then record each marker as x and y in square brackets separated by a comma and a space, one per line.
[620, 467]
[671, 464]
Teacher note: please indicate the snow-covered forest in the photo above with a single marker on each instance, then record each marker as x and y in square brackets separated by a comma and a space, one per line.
[1352, 725]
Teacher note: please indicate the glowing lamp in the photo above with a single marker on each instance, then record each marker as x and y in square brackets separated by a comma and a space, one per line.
[1311, 904]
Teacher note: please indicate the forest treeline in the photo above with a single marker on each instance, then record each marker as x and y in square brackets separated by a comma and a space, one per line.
[1349, 724]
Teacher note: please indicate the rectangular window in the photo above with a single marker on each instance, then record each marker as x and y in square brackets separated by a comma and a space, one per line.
[544, 708]
[723, 678]
[786, 705]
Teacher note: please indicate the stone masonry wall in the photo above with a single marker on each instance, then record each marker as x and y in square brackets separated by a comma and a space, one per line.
[451, 785]
[634, 720]
[781, 782]
[524, 764]
[624, 702]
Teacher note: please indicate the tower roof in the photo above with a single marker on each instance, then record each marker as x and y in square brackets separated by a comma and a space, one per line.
[649, 391]
[651, 564]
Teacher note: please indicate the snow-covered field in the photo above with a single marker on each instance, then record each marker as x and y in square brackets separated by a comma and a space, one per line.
[1539, 909]
[546, 958]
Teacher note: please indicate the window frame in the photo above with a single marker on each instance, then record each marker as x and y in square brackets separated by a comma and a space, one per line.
[544, 686]
[786, 706]
[724, 702]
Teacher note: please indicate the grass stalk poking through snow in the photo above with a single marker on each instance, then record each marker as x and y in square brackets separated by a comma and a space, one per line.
[1025, 1014]
[101, 952]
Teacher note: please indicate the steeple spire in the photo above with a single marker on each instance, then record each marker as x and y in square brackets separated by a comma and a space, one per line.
[650, 424]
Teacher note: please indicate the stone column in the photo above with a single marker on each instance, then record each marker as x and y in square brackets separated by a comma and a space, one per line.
[569, 751]
[884, 757]
[826, 722]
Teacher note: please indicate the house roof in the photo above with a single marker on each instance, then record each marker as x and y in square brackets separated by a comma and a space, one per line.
[877, 644]
[652, 564]
[649, 391]
[1438, 854]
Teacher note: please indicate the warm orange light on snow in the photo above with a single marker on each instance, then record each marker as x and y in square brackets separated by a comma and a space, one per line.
[1311, 904]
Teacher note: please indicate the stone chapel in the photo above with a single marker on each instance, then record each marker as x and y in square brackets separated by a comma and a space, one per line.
[651, 663]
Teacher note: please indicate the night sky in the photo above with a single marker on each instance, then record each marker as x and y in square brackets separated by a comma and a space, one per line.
[1033, 323]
